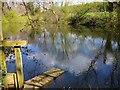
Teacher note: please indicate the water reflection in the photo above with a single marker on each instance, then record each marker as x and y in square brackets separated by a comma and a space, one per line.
[89, 55]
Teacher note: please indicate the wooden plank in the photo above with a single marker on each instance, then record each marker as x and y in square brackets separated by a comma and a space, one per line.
[19, 67]
[54, 72]
[12, 43]
[10, 80]
[39, 81]
[27, 86]
[35, 81]
[44, 79]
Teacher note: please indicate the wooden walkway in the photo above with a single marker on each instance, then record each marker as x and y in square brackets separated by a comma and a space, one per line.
[39, 81]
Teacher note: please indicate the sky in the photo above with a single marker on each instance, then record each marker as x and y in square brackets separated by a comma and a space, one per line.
[71, 1]
[74, 1]
[84, 1]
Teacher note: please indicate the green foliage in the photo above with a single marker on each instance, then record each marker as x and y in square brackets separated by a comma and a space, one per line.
[72, 13]
[53, 14]
[95, 19]
[37, 9]
[13, 22]
[31, 8]
[86, 14]
[12, 16]
[94, 14]
[81, 10]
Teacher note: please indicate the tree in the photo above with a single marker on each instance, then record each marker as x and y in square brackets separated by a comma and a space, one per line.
[118, 14]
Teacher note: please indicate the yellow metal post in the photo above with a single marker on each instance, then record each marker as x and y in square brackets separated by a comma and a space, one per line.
[13, 43]
[2, 56]
[1, 35]
[3, 66]
[19, 67]
[2, 62]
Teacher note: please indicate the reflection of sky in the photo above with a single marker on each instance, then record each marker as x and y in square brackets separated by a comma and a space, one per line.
[80, 53]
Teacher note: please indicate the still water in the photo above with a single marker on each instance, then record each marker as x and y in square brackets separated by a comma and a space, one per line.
[90, 56]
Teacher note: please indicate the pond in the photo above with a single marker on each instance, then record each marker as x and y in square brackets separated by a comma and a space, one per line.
[90, 56]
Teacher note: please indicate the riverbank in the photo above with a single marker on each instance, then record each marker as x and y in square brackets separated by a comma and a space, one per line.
[91, 14]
